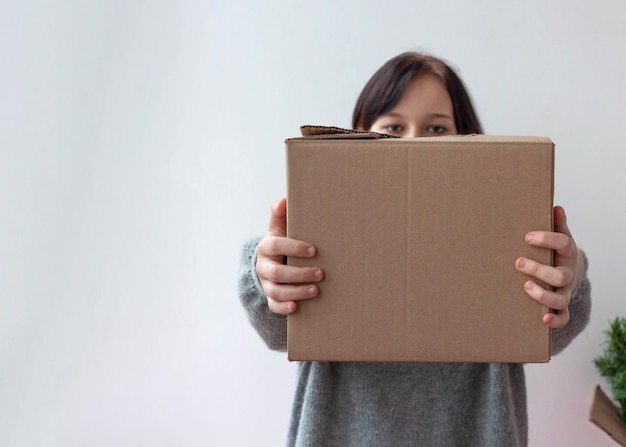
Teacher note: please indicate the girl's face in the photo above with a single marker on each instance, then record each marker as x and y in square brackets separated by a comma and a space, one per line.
[425, 110]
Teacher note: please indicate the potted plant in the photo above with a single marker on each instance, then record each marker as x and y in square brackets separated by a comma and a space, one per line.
[612, 365]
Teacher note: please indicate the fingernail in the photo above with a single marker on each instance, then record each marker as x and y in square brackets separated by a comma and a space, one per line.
[529, 237]
[318, 275]
[310, 251]
[529, 285]
[311, 291]
[521, 262]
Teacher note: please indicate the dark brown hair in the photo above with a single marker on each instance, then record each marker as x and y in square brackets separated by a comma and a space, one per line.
[385, 89]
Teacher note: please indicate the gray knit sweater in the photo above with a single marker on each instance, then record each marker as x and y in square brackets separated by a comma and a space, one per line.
[403, 404]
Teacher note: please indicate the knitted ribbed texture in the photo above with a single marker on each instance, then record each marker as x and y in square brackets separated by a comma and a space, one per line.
[352, 404]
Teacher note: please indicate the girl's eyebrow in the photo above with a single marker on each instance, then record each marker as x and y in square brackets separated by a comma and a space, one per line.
[394, 114]
[432, 115]
[440, 115]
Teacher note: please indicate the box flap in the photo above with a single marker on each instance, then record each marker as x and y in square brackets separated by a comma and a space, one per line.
[310, 132]
[605, 415]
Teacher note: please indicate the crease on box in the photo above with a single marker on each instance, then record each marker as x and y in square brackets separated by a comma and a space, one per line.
[407, 225]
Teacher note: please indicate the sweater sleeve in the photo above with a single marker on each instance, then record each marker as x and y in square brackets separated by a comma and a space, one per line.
[579, 310]
[270, 326]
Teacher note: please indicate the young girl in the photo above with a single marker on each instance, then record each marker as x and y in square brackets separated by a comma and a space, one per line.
[401, 404]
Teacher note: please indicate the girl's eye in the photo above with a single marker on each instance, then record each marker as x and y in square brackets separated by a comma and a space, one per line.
[436, 129]
[394, 128]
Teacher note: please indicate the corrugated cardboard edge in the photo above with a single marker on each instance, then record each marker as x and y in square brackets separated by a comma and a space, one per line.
[312, 132]
[551, 221]
[605, 415]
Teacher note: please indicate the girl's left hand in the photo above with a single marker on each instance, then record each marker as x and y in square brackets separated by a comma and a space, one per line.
[563, 276]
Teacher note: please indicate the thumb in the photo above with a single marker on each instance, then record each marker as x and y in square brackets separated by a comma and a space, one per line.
[278, 219]
[560, 221]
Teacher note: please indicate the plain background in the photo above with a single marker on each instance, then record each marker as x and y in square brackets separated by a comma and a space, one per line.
[141, 143]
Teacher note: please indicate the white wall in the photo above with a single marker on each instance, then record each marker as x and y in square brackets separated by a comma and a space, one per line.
[142, 142]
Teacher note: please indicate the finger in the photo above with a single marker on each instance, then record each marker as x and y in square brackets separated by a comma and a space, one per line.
[288, 292]
[278, 218]
[282, 273]
[280, 307]
[562, 243]
[559, 276]
[560, 239]
[556, 320]
[560, 221]
[557, 299]
[283, 246]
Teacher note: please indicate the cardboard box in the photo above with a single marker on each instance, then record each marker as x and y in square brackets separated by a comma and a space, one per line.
[604, 414]
[418, 239]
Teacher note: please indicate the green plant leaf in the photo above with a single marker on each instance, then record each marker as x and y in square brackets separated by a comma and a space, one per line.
[612, 363]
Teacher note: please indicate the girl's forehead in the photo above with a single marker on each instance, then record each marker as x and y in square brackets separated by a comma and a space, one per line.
[424, 92]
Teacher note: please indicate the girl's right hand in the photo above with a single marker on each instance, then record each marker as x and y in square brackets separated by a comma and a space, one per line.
[283, 284]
